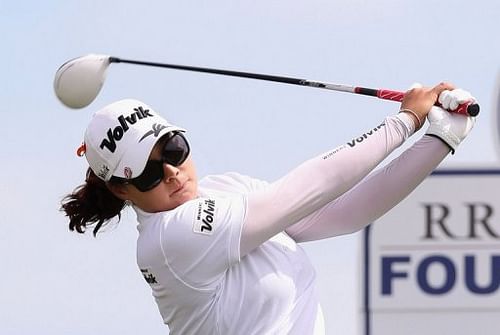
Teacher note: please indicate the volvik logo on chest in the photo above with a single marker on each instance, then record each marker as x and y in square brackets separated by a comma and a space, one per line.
[205, 217]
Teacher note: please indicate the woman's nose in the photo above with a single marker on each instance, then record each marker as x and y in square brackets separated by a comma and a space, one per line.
[170, 172]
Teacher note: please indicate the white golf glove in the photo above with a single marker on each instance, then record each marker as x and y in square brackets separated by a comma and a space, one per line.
[450, 127]
[450, 100]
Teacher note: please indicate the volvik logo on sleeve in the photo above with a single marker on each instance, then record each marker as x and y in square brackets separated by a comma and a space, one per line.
[205, 215]
[116, 134]
[365, 136]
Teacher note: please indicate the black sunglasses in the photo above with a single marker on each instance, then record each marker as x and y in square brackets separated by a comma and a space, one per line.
[175, 151]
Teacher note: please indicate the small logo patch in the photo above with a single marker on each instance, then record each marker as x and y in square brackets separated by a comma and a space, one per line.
[155, 131]
[148, 276]
[127, 172]
[103, 171]
[205, 215]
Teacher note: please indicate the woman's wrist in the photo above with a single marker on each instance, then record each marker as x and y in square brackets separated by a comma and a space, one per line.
[418, 123]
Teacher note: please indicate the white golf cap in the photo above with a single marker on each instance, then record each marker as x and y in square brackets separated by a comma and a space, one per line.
[120, 137]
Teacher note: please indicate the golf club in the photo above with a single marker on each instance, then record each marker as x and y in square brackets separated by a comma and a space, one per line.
[78, 81]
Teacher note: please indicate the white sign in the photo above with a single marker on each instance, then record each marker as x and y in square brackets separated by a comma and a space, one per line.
[496, 114]
[432, 264]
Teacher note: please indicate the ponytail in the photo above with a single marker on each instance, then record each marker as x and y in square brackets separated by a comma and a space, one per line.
[91, 204]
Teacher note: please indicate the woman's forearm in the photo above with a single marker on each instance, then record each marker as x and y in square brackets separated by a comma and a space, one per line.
[319, 181]
[375, 195]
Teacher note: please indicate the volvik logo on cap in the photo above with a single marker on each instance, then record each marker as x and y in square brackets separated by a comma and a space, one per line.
[116, 134]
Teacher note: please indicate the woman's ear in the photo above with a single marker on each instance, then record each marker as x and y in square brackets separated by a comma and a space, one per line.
[119, 190]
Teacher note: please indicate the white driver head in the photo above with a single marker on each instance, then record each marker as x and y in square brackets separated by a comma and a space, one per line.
[78, 81]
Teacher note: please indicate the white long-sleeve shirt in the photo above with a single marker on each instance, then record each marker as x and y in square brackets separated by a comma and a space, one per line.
[228, 262]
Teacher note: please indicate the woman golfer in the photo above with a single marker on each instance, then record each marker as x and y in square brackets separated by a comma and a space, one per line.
[222, 255]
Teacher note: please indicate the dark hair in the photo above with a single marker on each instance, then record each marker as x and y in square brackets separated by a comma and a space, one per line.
[91, 204]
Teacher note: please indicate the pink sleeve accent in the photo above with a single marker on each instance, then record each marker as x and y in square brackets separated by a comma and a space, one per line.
[375, 195]
[319, 181]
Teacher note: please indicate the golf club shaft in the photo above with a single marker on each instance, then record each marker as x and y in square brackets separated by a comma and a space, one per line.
[465, 108]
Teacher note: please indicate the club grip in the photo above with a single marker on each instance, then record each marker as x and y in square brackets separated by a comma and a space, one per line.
[467, 108]
[390, 95]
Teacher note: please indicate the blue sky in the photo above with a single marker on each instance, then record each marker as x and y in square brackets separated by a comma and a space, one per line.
[55, 281]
